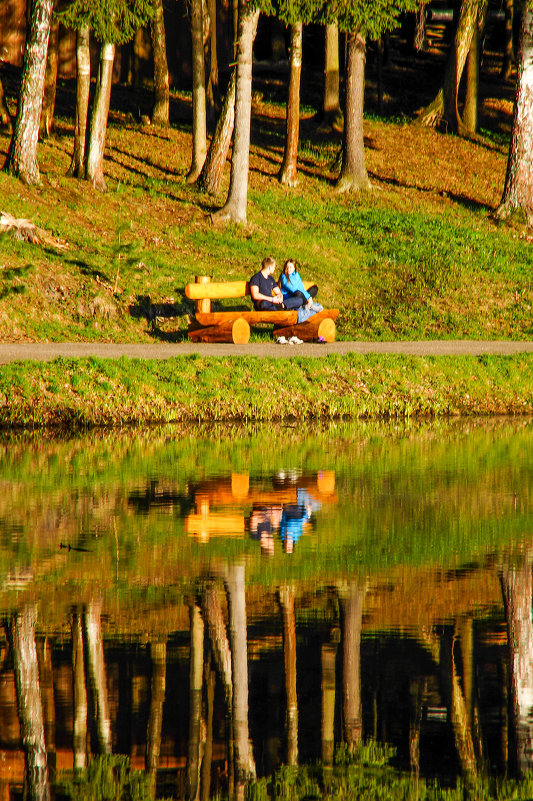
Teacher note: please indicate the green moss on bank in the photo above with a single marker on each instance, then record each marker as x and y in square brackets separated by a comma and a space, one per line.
[105, 392]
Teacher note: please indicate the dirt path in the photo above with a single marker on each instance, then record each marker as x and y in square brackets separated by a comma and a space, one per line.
[44, 351]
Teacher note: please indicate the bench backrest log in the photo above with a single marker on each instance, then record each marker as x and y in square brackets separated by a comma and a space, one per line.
[203, 291]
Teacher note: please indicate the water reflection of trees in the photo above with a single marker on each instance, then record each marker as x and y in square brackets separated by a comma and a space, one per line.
[210, 719]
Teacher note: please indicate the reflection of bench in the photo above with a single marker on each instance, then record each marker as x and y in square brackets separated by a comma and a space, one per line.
[235, 492]
[234, 325]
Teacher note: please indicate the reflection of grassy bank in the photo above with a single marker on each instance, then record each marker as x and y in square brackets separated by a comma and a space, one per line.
[408, 495]
[99, 392]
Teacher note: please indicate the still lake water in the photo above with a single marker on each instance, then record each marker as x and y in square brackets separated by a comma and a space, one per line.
[356, 581]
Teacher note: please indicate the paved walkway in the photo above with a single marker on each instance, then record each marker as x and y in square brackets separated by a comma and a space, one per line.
[45, 351]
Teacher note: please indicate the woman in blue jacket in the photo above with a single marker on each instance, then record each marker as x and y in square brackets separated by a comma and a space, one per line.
[293, 290]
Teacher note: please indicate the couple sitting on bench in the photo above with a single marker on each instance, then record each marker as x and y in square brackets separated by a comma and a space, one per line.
[288, 293]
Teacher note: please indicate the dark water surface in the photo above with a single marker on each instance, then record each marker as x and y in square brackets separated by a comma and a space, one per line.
[210, 603]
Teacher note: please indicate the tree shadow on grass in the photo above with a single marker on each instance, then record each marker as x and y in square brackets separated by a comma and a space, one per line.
[462, 200]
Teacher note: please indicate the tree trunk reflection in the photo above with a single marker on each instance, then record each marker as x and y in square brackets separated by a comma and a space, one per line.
[158, 652]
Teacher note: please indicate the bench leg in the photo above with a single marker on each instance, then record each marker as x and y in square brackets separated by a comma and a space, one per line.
[309, 330]
[237, 331]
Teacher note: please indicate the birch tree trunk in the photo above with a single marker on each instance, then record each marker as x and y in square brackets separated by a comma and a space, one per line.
[286, 599]
[22, 156]
[199, 120]
[353, 175]
[29, 703]
[50, 83]
[236, 589]
[443, 109]
[83, 87]
[288, 173]
[518, 190]
[161, 109]
[331, 115]
[158, 653]
[97, 675]
[102, 98]
[79, 734]
[517, 592]
[234, 209]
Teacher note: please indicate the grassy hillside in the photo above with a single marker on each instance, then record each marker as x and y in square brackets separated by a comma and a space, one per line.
[418, 257]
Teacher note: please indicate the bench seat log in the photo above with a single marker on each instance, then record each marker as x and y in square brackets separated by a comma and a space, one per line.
[232, 330]
[223, 289]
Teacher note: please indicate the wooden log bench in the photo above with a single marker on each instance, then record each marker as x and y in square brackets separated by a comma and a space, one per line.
[234, 325]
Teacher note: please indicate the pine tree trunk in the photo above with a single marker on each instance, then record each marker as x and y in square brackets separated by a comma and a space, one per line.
[161, 110]
[518, 191]
[199, 119]
[158, 653]
[96, 671]
[443, 108]
[331, 115]
[234, 209]
[79, 733]
[212, 83]
[213, 169]
[22, 157]
[5, 116]
[102, 98]
[50, 84]
[420, 39]
[83, 87]
[508, 52]
[517, 589]
[353, 174]
[29, 703]
[286, 599]
[288, 173]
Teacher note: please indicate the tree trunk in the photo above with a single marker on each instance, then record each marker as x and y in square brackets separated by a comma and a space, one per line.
[22, 157]
[102, 98]
[353, 174]
[286, 599]
[79, 734]
[212, 82]
[517, 589]
[46, 678]
[158, 652]
[83, 88]
[518, 191]
[196, 667]
[5, 116]
[234, 209]
[352, 607]
[420, 38]
[30, 709]
[467, 126]
[97, 675]
[236, 589]
[508, 50]
[161, 110]
[443, 108]
[211, 174]
[219, 640]
[199, 120]
[50, 83]
[328, 660]
[288, 173]
[331, 114]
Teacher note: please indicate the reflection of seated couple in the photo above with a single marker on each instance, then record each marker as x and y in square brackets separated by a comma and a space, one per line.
[289, 519]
